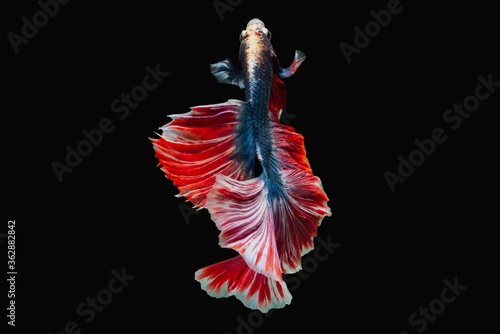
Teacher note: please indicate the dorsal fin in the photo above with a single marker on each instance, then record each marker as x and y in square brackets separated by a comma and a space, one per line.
[278, 98]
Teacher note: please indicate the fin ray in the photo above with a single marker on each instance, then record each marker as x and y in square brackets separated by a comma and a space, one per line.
[304, 205]
[233, 277]
[196, 146]
[243, 214]
[271, 221]
[226, 72]
[290, 70]
[277, 100]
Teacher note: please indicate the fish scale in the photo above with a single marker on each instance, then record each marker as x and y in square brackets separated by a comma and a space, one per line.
[257, 63]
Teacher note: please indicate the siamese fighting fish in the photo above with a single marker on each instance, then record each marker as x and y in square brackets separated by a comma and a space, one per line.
[213, 154]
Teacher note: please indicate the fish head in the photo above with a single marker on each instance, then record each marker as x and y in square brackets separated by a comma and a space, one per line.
[255, 27]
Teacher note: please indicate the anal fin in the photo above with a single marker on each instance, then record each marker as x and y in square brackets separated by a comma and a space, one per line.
[233, 277]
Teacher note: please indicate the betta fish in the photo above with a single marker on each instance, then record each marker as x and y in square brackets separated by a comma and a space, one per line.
[212, 154]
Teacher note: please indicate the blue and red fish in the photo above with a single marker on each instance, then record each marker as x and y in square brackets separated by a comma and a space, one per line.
[211, 152]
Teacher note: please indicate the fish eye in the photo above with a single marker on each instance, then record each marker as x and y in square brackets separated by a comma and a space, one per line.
[268, 34]
[243, 34]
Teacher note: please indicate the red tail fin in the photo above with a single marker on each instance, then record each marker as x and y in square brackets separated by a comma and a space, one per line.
[306, 204]
[233, 277]
[242, 212]
[271, 228]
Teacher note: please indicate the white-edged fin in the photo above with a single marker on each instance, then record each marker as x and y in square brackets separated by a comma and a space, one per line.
[226, 72]
[242, 212]
[290, 70]
[233, 277]
[198, 145]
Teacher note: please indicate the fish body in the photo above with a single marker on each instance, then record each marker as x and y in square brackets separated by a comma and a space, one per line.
[256, 62]
[210, 154]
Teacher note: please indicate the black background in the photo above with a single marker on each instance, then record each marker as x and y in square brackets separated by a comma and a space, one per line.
[116, 209]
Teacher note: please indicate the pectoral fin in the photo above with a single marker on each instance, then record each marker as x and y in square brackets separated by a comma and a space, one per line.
[226, 72]
[290, 70]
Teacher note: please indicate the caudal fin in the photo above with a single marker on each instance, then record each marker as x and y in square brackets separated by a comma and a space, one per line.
[234, 277]
[242, 212]
[271, 222]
